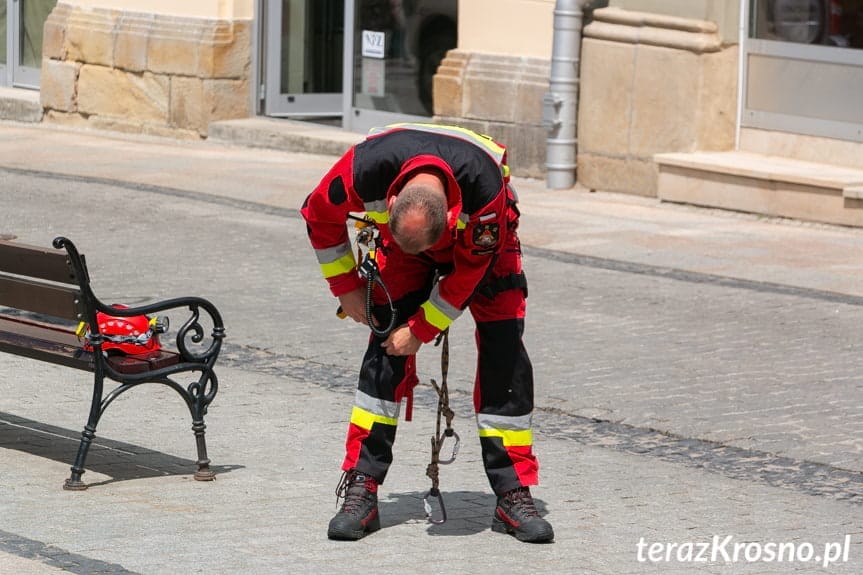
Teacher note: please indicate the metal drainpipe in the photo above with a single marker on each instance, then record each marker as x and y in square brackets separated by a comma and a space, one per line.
[560, 103]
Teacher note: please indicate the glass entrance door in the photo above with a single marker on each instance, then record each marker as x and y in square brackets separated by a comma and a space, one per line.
[304, 55]
[397, 47]
[21, 23]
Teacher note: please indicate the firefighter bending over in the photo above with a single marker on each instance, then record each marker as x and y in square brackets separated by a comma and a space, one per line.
[441, 199]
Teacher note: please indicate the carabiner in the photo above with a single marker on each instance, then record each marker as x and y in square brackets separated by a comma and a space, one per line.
[434, 492]
[450, 432]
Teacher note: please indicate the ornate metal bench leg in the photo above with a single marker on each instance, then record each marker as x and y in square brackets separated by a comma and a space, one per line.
[204, 473]
[74, 482]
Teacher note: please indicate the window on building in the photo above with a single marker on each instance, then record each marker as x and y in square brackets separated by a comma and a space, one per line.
[822, 22]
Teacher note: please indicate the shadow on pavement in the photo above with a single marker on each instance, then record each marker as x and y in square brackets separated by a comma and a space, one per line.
[120, 461]
[468, 512]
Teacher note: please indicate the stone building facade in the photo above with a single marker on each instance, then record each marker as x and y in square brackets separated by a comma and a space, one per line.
[677, 100]
[141, 72]
[680, 101]
[651, 83]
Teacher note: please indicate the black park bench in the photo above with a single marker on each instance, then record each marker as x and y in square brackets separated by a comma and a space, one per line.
[45, 293]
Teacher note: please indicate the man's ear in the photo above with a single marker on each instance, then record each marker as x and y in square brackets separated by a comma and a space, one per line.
[390, 201]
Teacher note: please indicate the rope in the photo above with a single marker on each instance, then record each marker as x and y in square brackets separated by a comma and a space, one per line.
[443, 411]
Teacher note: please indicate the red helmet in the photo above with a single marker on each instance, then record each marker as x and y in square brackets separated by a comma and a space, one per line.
[136, 335]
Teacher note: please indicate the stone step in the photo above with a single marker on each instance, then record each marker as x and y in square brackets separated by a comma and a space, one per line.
[762, 184]
[283, 134]
[20, 105]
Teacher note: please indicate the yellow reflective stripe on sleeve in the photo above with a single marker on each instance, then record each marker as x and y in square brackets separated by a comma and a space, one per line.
[435, 317]
[375, 206]
[377, 211]
[341, 266]
[379, 217]
[511, 438]
[462, 221]
[365, 419]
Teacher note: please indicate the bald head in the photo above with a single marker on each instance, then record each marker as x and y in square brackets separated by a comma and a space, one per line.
[419, 212]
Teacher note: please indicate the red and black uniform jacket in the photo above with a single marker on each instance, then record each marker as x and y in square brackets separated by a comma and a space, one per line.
[371, 172]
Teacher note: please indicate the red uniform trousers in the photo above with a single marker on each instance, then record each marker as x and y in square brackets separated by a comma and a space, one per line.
[503, 388]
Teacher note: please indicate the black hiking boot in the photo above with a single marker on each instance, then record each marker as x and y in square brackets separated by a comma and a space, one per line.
[359, 513]
[516, 514]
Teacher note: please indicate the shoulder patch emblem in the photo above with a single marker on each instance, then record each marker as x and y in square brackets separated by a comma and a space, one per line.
[486, 235]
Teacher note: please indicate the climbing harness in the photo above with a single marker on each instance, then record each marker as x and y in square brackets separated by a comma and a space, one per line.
[437, 442]
[368, 236]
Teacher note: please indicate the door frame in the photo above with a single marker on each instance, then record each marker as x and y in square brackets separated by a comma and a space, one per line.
[276, 103]
[269, 102]
[5, 69]
[13, 73]
[362, 119]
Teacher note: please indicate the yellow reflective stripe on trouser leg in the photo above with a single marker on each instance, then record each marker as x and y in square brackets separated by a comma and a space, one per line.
[365, 419]
[510, 438]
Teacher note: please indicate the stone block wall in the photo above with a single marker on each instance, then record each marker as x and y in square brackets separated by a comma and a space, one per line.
[650, 84]
[144, 73]
[500, 96]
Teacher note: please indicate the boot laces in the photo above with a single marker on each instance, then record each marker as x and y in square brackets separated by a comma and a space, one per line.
[354, 489]
[521, 502]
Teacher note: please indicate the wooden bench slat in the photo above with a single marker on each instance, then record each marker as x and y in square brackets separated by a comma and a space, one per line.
[48, 351]
[39, 330]
[39, 297]
[54, 344]
[129, 364]
[45, 263]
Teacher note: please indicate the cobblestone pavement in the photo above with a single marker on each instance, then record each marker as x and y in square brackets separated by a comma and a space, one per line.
[679, 399]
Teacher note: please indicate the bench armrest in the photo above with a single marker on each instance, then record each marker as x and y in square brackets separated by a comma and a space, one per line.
[191, 332]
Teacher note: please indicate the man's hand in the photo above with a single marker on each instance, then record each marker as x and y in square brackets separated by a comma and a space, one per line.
[354, 306]
[401, 342]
